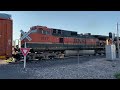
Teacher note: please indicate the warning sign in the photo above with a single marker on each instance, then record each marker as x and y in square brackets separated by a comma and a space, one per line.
[25, 51]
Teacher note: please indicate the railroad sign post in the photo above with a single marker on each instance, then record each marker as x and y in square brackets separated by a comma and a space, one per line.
[25, 50]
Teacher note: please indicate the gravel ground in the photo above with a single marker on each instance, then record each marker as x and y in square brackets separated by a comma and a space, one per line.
[89, 67]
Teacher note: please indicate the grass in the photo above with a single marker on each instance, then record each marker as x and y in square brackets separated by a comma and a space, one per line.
[117, 75]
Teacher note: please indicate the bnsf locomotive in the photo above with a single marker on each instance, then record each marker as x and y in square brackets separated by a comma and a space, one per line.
[51, 43]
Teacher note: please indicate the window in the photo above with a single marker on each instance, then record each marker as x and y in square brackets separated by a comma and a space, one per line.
[43, 32]
[73, 33]
[54, 31]
[39, 31]
[59, 31]
[48, 32]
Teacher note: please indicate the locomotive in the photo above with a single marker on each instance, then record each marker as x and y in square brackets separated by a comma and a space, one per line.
[57, 43]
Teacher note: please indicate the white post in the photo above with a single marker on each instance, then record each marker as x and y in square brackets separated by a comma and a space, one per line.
[25, 58]
[118, 41]
[24, 61]
[18, 43]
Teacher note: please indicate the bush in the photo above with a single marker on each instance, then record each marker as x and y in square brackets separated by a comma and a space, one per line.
[117, 75]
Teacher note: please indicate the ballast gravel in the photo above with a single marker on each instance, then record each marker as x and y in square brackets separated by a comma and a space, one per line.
[88, 67]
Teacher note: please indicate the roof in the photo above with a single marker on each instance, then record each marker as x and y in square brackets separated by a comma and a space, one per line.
[5, 16]
[101, 37]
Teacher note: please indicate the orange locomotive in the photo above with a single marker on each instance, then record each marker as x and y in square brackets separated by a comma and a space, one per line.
[51, 42]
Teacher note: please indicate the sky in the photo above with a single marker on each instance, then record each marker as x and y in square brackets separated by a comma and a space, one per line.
[94, 22]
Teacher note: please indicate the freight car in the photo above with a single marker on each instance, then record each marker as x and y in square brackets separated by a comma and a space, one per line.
[5, 36]
[50, 43]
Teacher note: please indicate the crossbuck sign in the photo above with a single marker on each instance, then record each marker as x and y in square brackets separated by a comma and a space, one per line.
[25, 35]
[25, 50]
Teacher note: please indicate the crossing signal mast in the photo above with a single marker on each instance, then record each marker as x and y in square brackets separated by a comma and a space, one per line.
[110, 47]
[112, 36]
[118, 41]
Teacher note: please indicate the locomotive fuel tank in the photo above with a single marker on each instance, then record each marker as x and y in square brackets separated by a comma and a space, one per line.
[81, 52]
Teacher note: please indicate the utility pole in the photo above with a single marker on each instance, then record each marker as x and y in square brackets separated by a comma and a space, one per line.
[78, 56]
[118, 41]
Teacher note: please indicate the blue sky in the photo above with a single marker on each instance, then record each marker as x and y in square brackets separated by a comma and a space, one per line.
[94, 22]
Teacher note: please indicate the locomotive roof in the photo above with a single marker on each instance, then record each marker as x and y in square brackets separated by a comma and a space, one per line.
[101, 37]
